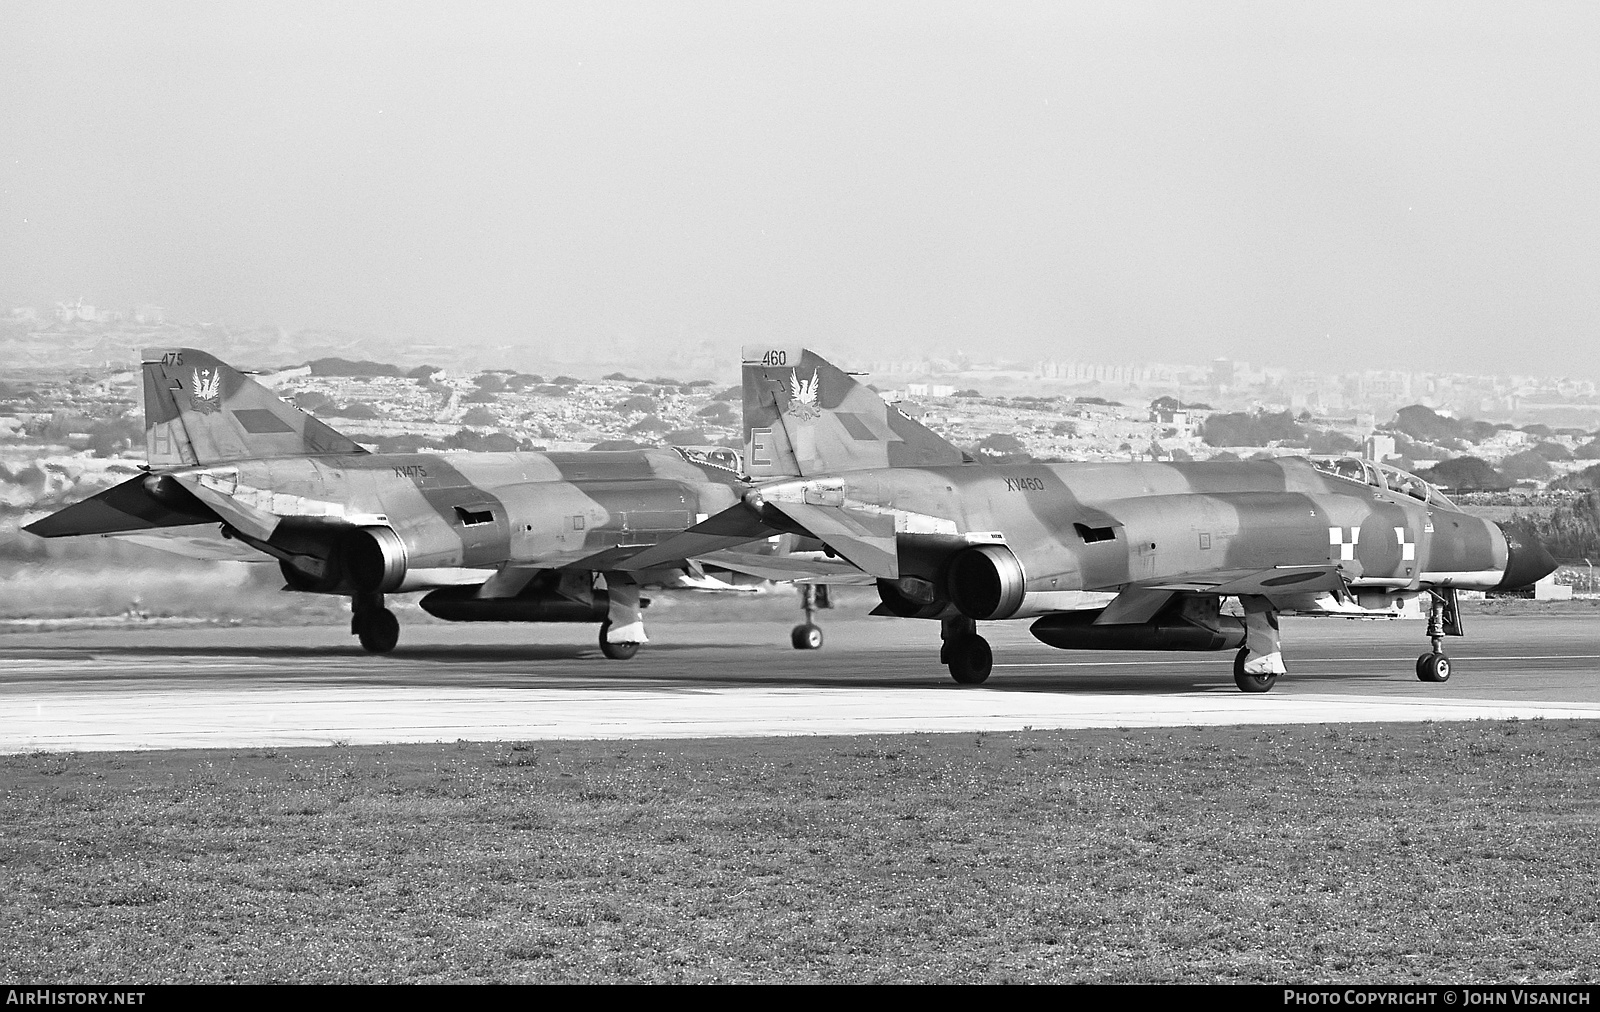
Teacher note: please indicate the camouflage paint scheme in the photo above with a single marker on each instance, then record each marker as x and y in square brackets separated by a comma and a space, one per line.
[227, 455]
[1114, 544]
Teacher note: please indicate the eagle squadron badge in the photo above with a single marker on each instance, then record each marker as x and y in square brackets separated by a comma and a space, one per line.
[803, 397]
[206, 390]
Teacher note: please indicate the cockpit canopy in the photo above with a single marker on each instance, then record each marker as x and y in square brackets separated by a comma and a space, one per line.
[1380, 475]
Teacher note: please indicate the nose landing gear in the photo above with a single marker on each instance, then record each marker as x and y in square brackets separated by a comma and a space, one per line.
[1444, 619]
[808, 635]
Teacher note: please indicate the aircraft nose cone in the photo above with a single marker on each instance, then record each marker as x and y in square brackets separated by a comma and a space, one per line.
[1527, 562]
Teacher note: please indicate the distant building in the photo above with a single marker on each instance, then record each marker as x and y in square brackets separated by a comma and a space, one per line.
[1175, 425]
[1547, 589]
[1379, 447]
[1221, 375]
[1099, 372]
[74, 312]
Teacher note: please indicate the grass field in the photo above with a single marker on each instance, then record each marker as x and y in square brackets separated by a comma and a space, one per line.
[1379, 853]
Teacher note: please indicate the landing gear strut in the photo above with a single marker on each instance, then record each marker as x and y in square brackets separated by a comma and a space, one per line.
[1259, 662]
[622, 633]
[965, 652]
[807, 635]
[1444, 619]
[373, 624]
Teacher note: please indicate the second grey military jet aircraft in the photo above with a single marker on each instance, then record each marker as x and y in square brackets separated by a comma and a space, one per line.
[1117, 555]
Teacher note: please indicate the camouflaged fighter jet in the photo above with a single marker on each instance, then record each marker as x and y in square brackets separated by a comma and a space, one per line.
[1105, 556]
[235, 472]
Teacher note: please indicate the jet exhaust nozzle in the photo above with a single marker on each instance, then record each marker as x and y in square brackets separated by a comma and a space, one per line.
[986, 582]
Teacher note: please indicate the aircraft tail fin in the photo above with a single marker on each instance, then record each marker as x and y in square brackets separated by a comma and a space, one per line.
[804, 416]
[199, 410]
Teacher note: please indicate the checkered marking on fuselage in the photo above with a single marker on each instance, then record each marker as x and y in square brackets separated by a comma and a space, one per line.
[1408, 549]
[1347, 549]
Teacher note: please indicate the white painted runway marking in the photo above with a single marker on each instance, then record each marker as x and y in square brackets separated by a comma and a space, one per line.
[1303, 659]
[286, 716]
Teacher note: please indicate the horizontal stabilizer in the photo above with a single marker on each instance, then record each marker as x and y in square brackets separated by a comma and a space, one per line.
[865, 539]
[198, 541]
[239, 515]
[734, 526]
[126, 507]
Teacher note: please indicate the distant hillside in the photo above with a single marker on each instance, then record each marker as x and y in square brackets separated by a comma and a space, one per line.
[345, 367]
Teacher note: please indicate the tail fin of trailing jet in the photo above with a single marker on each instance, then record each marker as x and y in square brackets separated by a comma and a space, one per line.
[803, 416]
[198, 410]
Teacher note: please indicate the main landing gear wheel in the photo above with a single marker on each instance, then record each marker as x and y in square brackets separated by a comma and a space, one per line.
[615, 651]
[1246, 681]
[1433, 668]
[378, 630]
[969, 659]
[806, 637]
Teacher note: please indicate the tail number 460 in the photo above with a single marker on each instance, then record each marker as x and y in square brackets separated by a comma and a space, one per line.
[775, 357]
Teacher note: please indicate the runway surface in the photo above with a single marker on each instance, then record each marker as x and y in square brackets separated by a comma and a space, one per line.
[173, 686]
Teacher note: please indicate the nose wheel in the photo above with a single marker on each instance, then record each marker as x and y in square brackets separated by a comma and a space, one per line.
[808, 635]
[1433, 667]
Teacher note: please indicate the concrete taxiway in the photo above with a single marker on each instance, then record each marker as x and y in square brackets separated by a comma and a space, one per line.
[162, 686]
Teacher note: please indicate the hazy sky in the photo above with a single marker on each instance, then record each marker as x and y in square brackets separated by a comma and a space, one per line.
[1336, 185]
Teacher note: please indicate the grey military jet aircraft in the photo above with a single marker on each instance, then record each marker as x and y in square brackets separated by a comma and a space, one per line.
[1107, 556]
[235, 472]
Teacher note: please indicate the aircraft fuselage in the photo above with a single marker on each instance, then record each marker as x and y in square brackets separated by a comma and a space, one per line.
[1102, 526]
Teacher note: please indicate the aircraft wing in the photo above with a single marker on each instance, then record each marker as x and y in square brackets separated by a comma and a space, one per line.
[1229, 582]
